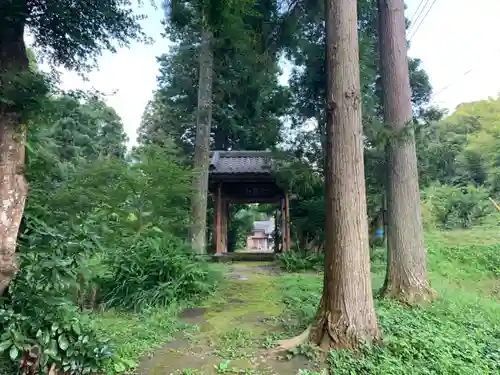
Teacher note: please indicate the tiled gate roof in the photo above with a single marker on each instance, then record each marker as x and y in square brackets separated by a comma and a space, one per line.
[240, 162]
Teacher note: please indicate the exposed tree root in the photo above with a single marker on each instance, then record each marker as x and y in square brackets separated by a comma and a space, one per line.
[330, 333]
[289, 344]
[334, 331]
[409, 296]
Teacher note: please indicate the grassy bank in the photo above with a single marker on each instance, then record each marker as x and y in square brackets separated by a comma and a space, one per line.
[457, 334]
[134, 335]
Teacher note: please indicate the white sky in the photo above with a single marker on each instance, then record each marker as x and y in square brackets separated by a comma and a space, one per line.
[456, 35]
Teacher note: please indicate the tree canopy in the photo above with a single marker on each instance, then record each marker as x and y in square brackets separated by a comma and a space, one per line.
[247, 99]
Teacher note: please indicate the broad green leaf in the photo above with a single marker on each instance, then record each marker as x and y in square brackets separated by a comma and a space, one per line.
[52, 350]
[13, 353]
[130, 363]
[76, 328]
[5, 345]
[63, 342]
[119, 367]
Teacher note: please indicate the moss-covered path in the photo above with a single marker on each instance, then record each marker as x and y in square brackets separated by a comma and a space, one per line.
[230, 331]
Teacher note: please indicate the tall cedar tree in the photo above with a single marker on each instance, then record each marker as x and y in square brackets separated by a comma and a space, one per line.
[65, 32]
[406, 277]
[247, 99]
[346, 315]
[202, 145]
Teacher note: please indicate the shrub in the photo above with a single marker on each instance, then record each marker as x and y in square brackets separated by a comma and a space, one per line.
[40, 337]
[492, 220]
[427, 215]
[455, 207]
[378, 259]
[154, 271]
[300, 261]
[39, 321]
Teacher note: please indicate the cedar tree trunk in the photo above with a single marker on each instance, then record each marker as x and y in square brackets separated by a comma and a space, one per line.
[406, 278]
[346, 316]
[13, 187]
[202, 147]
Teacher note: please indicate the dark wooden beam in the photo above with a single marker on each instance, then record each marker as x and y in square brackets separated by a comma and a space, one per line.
[241, 177]
[245, 200]
[224, 220]
[218, 220]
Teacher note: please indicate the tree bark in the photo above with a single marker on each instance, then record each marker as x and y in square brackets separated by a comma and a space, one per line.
[346, 316]
[13, 187]
[202, 147]
[406, 277]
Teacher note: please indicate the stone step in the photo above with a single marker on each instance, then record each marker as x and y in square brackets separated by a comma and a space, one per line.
[244, 257]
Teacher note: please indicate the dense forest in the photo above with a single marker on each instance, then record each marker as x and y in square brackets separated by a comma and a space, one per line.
[100, 242]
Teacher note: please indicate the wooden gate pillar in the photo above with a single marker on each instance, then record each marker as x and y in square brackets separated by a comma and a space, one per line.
[218, 219]
[224, 224]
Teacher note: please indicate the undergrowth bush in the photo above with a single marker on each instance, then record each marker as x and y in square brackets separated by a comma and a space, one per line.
[93, 228]
[37, 339]
[300, 261]
[455, 261]
[450, 207]
[39, 321]
[154, 271]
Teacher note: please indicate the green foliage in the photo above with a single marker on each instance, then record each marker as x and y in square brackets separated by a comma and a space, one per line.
[88, 201]
[151, 189]
[453, 207]
[457, 334]
[247, 99]
[53, 334]
[298, 174]
[65, 33]
[80, 126]
[299, 261]
[466, 262]
[24, 92]
[73, 34]
[38, 317]
[462, 148]
[154, 271]
[133, 335]
[440, 340]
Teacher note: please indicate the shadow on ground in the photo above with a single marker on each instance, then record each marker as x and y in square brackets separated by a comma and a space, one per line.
[229, 332]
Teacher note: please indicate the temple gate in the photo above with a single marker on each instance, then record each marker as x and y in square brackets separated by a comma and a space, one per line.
[244, 177]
